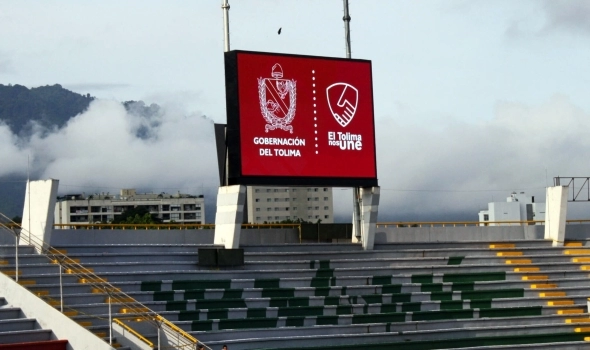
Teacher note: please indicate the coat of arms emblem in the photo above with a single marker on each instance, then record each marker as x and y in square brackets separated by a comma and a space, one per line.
[277, 100]
[342, 100]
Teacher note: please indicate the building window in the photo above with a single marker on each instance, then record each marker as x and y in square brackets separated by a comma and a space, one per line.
[309, 190]
[325, 198]
[276, 190]
[317, 216]
[316, 198]
[276, 218]
[257, 200]
[257, 190]
[269, 199]
[258, 218]
[287, 208]
[486, 217]
[277, 209]
[269, 217]
[268, 190]
[277, 199]
[326, 216]
[268, 209]
[326, 207]
[316, 208]
[325, 189]
[294, 190]
[294, 208]
[315, 189]
[257, 209]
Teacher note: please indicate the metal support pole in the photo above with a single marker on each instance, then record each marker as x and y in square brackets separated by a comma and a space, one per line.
[356, 191]
[225, 8]
[110, 322]
[16, 254]
[346, 20]
[61, 291]
[159, 344]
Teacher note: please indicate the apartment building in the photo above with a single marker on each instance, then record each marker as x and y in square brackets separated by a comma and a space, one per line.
[97, 208]
[276, 204]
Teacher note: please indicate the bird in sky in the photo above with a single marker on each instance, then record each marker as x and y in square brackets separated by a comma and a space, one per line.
[279, 32]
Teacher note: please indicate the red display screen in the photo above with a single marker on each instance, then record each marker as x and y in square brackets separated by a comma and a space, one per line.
[301, 116]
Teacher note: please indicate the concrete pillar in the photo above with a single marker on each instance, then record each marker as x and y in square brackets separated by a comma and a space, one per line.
[230, 215]
[38, 212]
[555, 214]
[369, 211]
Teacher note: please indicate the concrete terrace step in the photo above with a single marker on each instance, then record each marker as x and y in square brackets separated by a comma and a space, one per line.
[405, 326]
[435, 339]
[19, 324]
[567, 270]
[10, 313]
[22, 336]
[73, 249]
[10, 250]
[477, 244]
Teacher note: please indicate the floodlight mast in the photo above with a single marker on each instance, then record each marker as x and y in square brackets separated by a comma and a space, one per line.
[225, 8]
[346, 20]
[356, 191]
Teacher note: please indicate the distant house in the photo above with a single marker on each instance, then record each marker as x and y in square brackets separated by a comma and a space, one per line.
[518, 207]
[97, 208]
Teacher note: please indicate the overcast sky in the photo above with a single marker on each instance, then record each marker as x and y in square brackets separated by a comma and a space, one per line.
[473, 99]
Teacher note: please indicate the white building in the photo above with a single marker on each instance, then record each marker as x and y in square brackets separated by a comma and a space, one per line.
[276, 204]
[103, 208]
[518, 207]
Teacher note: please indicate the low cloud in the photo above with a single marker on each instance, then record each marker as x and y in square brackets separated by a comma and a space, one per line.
[442, 171]
[569, 15]
[450, 171]
[553, 17]
[108, 148]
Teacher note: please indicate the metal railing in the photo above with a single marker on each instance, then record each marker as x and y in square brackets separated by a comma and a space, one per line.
[134, 332]
[472, 223]
[74, 226]
[178, 338]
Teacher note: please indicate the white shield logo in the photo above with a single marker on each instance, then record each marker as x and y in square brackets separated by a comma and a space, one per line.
[342, 100]
[277, 100]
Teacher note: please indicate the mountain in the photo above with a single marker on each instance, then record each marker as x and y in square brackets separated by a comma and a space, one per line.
[48, 106]
[51, 107]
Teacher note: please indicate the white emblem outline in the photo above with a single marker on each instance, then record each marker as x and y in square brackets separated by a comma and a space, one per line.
[349, 109]
[284, 87]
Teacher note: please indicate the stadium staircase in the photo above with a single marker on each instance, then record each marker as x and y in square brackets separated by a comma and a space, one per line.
[470, 295]
[20, 332]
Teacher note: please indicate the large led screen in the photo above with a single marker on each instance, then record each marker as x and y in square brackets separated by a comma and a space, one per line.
[299, 120]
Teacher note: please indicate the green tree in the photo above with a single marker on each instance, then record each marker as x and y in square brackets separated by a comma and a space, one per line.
[136, 215]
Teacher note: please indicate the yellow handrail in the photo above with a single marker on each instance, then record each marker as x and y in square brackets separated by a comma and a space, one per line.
[177, 329]
[132, 331]
[164, 226]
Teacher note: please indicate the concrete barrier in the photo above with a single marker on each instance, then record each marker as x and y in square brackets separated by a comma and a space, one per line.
[248, 236]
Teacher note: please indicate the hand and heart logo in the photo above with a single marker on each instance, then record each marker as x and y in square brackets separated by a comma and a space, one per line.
[278, 99]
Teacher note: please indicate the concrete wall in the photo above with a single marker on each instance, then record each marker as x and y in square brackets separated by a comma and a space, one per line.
[442, 234]
[278, 236]
[248, 236]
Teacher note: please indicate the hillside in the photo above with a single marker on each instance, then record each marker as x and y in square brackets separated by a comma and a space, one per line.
[51, 107]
